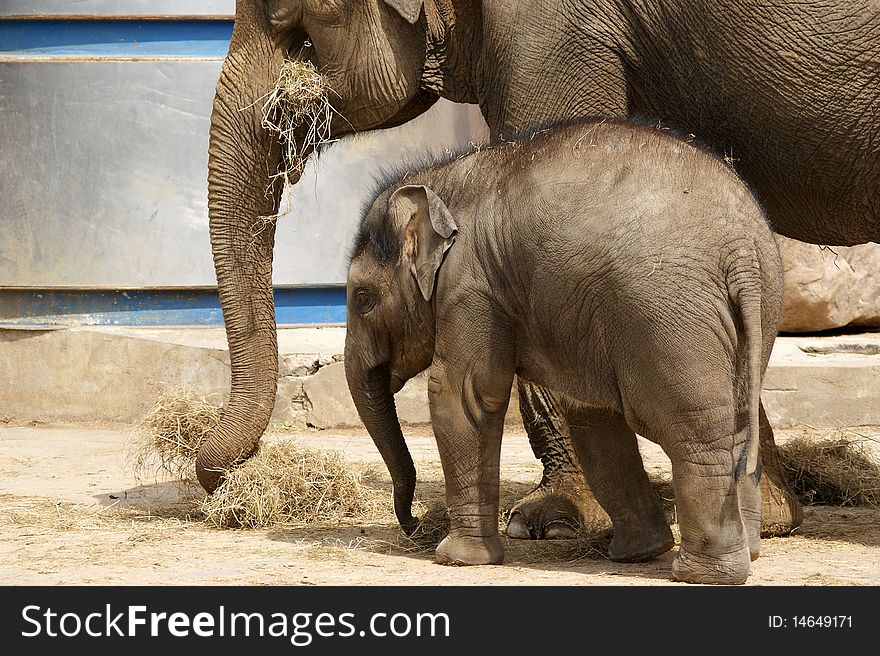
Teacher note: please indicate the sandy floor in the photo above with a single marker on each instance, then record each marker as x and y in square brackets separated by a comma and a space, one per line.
[71, 512]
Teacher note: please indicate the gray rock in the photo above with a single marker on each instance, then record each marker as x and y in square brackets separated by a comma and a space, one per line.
[328, 402]
[830, 287]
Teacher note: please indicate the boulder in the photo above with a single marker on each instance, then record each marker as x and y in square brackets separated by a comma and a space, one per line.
[829, 286]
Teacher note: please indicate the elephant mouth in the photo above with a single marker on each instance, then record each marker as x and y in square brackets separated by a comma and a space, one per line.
[301, 49]
[421, 102]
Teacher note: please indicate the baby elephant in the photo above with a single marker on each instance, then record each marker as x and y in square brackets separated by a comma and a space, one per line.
[618, 266]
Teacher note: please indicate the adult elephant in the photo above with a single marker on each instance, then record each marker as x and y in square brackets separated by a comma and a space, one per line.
[790, 91]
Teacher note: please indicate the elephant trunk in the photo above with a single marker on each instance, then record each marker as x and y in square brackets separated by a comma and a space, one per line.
[242, 157]
[372, 396]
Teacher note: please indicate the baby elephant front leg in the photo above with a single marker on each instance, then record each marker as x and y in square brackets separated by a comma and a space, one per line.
[468, 424]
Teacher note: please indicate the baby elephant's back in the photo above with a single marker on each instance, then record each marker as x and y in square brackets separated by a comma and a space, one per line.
[626, 190]
[635, 182]
[649, 228]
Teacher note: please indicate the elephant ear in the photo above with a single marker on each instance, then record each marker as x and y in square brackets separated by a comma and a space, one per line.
[409, 9]
[429, 231]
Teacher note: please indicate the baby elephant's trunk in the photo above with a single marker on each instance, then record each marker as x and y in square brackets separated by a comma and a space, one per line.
[745, 290]
[371, 393]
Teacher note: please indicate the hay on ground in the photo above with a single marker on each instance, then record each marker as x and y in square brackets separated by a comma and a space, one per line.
[433, 526]
[168, 438]
[835, 471]
[284, 484]
[591, 541]
[53, 515]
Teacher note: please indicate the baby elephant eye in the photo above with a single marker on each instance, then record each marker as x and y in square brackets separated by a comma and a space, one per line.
[365, 300]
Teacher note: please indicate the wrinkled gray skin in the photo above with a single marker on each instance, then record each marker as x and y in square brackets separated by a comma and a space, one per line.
[628, 272]
[790, 90]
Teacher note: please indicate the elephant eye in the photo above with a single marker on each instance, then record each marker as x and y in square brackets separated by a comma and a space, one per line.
[323, 9]
[365, 300]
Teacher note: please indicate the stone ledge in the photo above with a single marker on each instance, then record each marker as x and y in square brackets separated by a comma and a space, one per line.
[94, 374]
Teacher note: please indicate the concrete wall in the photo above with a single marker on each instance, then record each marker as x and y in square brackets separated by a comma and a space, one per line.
[115, 374]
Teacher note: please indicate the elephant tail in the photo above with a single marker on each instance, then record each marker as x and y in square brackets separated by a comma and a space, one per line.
[744, 284]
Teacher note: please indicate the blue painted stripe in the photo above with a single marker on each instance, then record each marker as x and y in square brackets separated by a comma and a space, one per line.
[113, 38]
[325, 305]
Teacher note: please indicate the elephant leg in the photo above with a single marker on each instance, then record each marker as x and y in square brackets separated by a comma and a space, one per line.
[472, 472]
[468, 425]
[609, 452]
[563, 502]
[715, 544]
[781, 510]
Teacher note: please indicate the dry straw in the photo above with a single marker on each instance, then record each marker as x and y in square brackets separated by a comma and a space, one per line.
[54, 515]
[591, 541]
[433, 527]
[282, 484]
[170, 434]
[835, 471]
[299, 104]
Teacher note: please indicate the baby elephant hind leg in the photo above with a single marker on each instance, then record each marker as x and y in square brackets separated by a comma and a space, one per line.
[609, 453]
[715, 544]
[769, 506]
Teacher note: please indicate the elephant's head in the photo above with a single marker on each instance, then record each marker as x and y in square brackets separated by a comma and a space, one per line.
[390, 326]
[372, 54]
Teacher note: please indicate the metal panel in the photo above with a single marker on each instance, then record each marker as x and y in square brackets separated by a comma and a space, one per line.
[104, 171]
[119, 8]
[313, 239]
[201, 307]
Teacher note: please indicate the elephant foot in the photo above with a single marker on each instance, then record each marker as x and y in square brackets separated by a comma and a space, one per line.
[640, 544]
[470, 551]
[716, 571]
[557, 511]
[781, 510]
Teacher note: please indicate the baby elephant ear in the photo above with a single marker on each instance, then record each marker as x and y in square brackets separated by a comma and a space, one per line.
[409, 9]
[428, 232]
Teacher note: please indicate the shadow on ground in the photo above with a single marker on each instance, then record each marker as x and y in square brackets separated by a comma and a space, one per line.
[171, 500]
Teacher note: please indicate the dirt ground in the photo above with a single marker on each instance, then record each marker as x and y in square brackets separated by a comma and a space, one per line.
[72, 512]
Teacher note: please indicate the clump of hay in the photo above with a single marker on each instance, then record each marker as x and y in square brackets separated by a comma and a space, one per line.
[587, 545]
[282, 484]
[835, 471]
[299, 103]
[433, 526]
[285, 484]
[171, 433]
